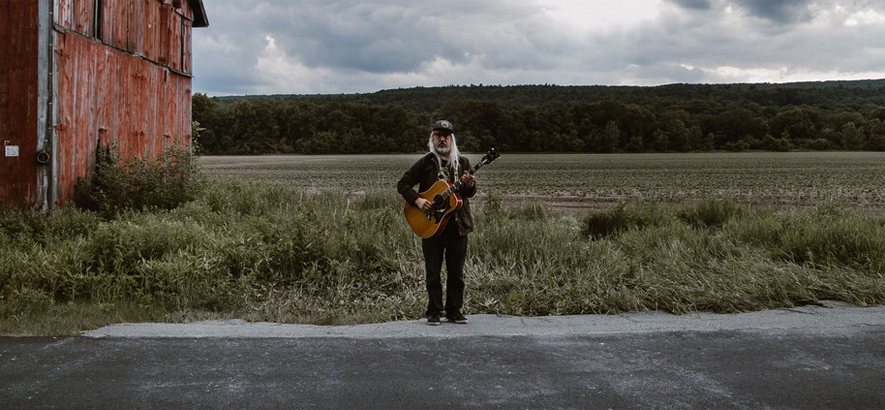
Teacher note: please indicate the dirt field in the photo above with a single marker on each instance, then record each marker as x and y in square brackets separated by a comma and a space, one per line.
[579, 181]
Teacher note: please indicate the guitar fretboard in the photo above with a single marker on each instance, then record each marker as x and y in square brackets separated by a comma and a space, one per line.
[457, 185]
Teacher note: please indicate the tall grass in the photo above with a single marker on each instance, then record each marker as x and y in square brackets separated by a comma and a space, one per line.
[267, 252]
[713, 256]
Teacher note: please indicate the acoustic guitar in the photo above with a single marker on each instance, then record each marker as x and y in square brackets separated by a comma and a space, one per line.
[446, 199]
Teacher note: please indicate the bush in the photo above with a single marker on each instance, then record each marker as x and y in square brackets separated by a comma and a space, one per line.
[713, 213]
[139, 183]
[23, 228]
[599, 224]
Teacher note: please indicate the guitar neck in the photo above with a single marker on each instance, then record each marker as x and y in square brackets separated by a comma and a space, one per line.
[457, 185]
[477, 167]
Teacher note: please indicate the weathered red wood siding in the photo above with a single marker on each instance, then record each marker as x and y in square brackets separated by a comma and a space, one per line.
[95, 73]
[125, 84]
[152, 29]
[18, 101]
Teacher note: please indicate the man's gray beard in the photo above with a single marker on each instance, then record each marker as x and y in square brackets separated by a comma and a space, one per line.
[442, 150]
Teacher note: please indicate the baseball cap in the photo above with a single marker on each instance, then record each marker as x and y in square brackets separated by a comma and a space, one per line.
[443, 125]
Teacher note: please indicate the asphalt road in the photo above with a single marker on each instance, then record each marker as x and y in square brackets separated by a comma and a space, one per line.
[805, 358]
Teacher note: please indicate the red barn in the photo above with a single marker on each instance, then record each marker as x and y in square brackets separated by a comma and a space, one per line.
[79, 74]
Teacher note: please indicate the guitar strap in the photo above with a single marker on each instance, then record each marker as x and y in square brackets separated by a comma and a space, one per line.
[446, 172]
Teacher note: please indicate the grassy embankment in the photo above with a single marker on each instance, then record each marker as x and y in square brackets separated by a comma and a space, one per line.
[267, 252]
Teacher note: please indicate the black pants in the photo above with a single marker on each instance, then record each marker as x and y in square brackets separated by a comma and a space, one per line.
[451, 247]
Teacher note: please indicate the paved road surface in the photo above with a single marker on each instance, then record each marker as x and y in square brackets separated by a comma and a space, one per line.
[805, 358]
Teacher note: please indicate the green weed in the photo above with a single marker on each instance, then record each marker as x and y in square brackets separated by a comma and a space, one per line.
[268, 252]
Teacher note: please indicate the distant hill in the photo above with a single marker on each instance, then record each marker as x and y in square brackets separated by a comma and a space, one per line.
[429, 99]
[814, 115]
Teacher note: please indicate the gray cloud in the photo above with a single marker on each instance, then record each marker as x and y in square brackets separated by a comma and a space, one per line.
[693, 4]
[321, 46]
[779, 11]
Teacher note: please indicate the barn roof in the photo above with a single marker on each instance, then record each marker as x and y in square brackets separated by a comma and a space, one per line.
[200, 19]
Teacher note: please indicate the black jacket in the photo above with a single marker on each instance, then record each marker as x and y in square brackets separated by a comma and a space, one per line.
[424, 173]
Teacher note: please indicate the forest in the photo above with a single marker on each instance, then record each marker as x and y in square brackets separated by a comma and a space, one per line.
[829, 115]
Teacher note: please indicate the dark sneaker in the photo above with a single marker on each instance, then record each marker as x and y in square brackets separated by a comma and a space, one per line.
[433, 320]
[458, 318]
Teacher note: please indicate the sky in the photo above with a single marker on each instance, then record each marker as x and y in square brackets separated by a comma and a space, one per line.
[349, 46]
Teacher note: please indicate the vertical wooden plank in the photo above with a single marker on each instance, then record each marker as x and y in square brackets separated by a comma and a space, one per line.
[103, 84]
[64, 77]
[173, 47]
[150, 36]
[115, 15]
[186, 63]
[136, 28]
[80, 103]
[168, 111]
[84, 11]
[164, 41]
[151, 127]
[19, 31]
[64, 13]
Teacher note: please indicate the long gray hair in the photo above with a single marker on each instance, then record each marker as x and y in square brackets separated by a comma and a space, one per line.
[453, 153]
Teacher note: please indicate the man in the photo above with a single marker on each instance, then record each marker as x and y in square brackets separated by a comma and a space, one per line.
[443, 162]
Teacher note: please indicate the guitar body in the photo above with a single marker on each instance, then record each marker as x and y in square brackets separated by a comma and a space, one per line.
[428, 225]
[446, 199]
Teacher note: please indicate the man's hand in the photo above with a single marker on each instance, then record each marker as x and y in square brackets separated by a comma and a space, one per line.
[468, 179]
[424, 204]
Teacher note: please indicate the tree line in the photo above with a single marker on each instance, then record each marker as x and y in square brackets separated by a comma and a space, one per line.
[843, 115]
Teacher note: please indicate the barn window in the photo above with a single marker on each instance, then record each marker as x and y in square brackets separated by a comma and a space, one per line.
[98, 19]
[185, 67]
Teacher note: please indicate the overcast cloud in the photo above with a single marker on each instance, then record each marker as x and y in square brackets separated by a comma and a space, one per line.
[324, 46]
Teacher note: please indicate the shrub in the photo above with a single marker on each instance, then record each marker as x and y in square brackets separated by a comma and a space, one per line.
[22, 228]
[600, 224]
[712, 213]
[139, 183]
[22, 225]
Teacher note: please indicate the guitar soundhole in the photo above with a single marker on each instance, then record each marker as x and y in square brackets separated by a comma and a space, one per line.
[439, 202]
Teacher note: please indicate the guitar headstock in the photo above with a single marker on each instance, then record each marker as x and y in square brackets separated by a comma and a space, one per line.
[490, 156]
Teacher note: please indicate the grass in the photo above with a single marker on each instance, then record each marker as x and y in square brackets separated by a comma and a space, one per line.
[267, 252]
[750, 260]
